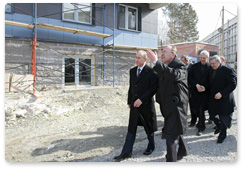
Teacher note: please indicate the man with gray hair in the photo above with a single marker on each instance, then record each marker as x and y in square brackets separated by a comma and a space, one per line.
[173, 92]
[222, 82]
[198, 79]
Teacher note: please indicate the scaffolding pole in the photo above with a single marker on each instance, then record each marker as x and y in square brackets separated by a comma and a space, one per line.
[114, 19]
[104, 48]
[34, 35]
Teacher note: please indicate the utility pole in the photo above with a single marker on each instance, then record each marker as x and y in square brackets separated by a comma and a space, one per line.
[222, 40]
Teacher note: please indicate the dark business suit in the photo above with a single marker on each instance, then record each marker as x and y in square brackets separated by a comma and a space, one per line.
[142, 87]
[193, 116]
[173, 95]
[189, 67]
[198, 74]
[222, 80]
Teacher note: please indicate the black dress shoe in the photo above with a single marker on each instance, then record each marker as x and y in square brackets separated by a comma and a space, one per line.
[148, 151]
[217, 130]
[220, 140]
[179, 157]
[199, 133]
[122, 157]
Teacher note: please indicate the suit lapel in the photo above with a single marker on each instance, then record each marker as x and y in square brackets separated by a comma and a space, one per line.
[200, 69]
[144, 71]
[211, 76]
[219, 71]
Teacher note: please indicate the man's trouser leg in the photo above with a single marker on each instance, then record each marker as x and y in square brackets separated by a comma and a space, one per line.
[171, 143]
[182, 150]
[201, 122]
[151, 144]
[130, 139]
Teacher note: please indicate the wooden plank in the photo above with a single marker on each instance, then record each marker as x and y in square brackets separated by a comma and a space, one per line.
[71, 30]
[132, 47]
[19, 24]
[22, 83]
[57, 28]
[7, 81]
[75, 31]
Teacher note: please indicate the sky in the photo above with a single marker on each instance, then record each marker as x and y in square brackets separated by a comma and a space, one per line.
[209, 17]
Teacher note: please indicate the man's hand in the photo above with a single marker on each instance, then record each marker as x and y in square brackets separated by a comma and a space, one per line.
[218, 96]
[200, 88]
[137, 103]
[152, 55]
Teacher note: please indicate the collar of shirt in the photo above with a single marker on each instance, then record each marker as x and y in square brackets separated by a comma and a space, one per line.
[141, 68]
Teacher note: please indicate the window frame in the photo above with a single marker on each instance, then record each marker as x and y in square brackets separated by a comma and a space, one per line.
[126, 18]
[76, 15]
[76, 70]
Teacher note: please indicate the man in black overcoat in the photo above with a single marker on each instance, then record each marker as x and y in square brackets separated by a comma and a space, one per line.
[143, 86]
[222, 82]
[198, 79]
[173, 90]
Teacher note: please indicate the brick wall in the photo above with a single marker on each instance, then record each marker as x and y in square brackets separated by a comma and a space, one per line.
[18, 56]
[192, 49]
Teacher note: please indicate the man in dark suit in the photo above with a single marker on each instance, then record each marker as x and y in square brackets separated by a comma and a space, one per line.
[185, 59]
[222, 82]
[198, 79]
[143, 86]
[174, 100]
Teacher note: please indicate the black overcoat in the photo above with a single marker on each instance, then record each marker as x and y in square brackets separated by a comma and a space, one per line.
[143, 87]
[173, 92]
[198, 76]
[224, 82]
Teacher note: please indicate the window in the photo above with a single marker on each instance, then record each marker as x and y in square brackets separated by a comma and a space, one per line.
[77, 71]
[77, 12]
[128, 18]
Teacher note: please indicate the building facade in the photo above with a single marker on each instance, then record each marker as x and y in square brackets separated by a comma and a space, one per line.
[67, 56]
[230, 41]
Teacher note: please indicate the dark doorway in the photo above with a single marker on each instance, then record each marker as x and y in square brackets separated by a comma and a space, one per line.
[69, 71]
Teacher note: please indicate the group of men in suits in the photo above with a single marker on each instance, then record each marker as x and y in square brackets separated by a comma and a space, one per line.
[211, 85]
[168, 79]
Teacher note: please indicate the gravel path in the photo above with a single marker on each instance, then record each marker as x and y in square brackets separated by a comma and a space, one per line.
[201, 148]
[89, 125]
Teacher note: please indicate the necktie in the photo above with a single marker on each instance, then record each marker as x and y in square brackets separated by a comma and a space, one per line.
[138, 72]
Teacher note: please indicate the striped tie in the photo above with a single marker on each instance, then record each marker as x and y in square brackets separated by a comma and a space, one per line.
[138, 72]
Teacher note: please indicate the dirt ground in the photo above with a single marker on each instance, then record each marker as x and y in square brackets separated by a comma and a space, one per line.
[68, 124]
[90, 124]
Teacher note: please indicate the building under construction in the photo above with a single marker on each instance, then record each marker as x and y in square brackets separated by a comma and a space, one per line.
[87, 44]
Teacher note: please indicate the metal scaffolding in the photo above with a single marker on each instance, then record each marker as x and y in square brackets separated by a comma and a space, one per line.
[105, 76]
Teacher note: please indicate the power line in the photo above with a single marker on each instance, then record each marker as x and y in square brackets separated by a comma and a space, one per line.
[230, 12]
[218, 20]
